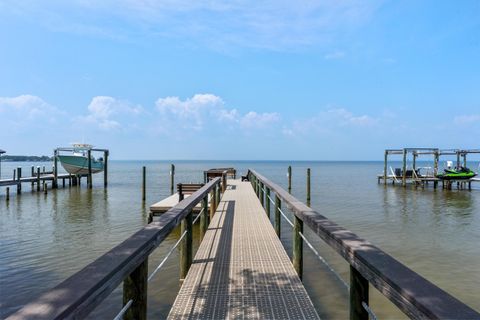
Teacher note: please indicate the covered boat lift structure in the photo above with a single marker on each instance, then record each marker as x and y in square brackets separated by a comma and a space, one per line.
[461, 154]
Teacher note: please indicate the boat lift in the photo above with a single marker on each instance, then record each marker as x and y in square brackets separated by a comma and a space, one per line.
[405, 175]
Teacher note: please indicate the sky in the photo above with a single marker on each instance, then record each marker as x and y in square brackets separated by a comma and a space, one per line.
[259, 80]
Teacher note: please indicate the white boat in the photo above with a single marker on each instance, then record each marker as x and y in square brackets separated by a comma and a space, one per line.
[77, 162]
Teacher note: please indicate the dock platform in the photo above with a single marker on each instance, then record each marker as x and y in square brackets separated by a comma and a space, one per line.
[166, 204]
[241, 269]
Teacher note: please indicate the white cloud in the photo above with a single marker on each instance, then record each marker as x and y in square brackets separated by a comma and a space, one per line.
[467, 119]
[27, 107]
[195, 112]
[220, 24]
[105, 112]
[329, 122]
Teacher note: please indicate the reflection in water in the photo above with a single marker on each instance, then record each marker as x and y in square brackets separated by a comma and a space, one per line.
[45, 239]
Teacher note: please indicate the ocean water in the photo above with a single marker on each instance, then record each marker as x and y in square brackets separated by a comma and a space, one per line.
[46, 238]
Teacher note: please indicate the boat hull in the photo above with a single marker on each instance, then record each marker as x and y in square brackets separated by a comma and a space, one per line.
[79, 164]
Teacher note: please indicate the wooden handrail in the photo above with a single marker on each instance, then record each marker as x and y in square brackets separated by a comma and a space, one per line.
[78, 295]
[411, 293]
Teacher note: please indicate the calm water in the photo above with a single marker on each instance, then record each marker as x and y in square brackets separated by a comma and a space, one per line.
[46, 238]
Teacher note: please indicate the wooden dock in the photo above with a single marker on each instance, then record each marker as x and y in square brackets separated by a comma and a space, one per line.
[241, 270]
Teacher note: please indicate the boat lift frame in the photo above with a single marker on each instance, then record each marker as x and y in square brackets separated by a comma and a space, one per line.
[106, 153]
[415, 152]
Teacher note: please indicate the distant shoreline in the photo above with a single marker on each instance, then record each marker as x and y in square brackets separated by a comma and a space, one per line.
[7, 158]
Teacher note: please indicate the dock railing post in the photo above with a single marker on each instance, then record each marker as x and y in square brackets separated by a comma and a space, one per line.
[105, 168]
[144, 182]
[262, 195]
[186, 246]
[38, 179]
[404, 168]
[172, 177]
[89, 180]
[55, 170]
[385, 167]
[204, 217]
[19, 177]
[278, 206]
[33, 175]
[217, 196]
[135, 289]
[297, 258]
[181, 196]
[358, 294]
[212, 204]
[267, 204]
[289, 173]
[308, 187]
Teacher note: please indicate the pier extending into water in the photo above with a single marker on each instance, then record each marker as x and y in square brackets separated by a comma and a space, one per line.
[39, 177]
[240, 268]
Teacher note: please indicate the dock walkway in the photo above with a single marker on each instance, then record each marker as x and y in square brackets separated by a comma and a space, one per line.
[241, 269]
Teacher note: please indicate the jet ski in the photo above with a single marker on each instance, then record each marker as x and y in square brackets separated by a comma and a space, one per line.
[457, 174]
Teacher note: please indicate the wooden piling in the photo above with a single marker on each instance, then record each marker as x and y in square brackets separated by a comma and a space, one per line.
[385, 168]
[172, 177]
[19, 184]
[204, 218]
[267, 204]
[297, 258]
[7, 196]
[278, 206]
[308, 187]
[144, 182]
[33, 175]
[135, 288]
[105, 168]
[435, 168]
[404, 168]
[38, 179]
[358, 294]
[89, 179]
[186, 246]
[289, 179]
[212, 204]
[262, 195]
[55, 170]
[63, 182]
[45, 187]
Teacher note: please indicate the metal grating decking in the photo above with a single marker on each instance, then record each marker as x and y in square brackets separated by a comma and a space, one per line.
[241, 270]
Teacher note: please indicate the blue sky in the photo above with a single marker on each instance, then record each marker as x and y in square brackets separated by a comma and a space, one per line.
[307, 80]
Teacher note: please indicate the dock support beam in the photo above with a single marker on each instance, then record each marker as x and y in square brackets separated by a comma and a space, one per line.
[19, 177]
[358, 294]
[308, 187]
[297, 258]
[105, 168]
[385, 168]
[212, 204]
[262, 195]
[135, 288]
[89, 179]
[204, 218]
[38, 179]
[172, 177]
[144, 183]
[186, 246]
[55, 170]
[289, 173]
[267, 204]
[278, 206]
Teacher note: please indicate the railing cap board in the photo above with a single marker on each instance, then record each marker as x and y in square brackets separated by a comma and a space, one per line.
[78, 295]
[413, 294]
